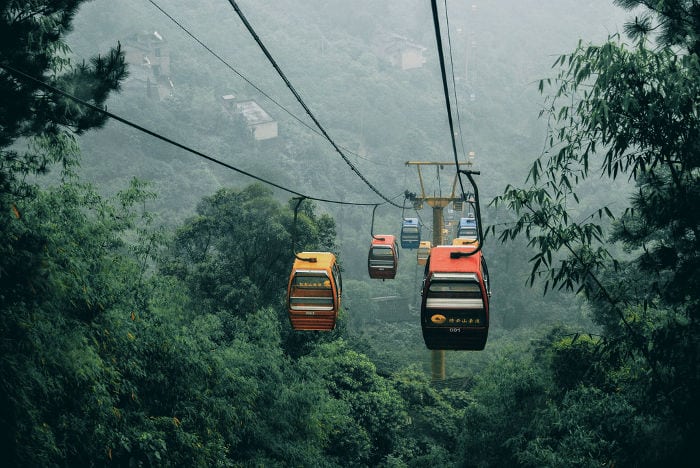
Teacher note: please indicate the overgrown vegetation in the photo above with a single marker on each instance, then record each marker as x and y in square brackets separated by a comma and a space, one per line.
[125, 343]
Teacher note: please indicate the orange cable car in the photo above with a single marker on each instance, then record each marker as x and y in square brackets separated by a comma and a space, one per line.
[455, 299]
[383, 257]
[423, 252]
[313, 292]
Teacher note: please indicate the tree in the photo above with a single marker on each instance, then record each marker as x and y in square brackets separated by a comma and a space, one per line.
[31, 41]
[498, 419]
[236, 253]
[370, 413]
[635, 109]
[72, 268]
[435, 419]
[51, 282]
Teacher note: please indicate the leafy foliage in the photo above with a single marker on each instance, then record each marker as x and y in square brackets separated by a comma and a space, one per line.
[32, 42]
[59, 248]
[375, 412]
[123, 346]
[632, 112]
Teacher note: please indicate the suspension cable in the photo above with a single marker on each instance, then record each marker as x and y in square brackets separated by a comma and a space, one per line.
[168, 140]
[244, 78]
[303, 104]
[438, 38]
[454, 84]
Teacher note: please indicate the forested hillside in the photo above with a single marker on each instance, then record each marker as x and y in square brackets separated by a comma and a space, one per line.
[143, 288]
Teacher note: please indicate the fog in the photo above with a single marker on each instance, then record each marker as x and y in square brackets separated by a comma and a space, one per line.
[341, 58]
[335, 55]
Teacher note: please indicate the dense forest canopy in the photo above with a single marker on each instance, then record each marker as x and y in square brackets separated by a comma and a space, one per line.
[142, 290]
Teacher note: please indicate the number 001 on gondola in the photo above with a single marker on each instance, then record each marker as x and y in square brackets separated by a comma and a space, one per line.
[455, 299]
[313, 292]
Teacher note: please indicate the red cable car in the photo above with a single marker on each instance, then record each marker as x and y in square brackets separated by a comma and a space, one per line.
[313, 292]
[383, 258]
[455, 302]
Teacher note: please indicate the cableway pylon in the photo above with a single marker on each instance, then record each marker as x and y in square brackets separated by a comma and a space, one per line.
[438, 204]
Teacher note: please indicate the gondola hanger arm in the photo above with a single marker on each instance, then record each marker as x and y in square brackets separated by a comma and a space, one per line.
[294, 231]
[371, 230]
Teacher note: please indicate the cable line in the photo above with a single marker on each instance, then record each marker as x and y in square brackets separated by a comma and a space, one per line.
[244, 78]
[303, 104]
[467, 172]
[454, 84]
[438, 38]
[168, 140]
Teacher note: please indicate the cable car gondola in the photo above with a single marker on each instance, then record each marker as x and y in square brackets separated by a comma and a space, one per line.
[410, 233]
[383, 258]
[313, 292]
[423, 252]
[455, 299]
[467, 228]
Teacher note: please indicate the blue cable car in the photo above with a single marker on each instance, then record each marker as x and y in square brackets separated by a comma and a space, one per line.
[467, 228]
[410, 233]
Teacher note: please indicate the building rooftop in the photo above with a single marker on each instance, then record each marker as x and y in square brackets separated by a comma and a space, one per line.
[253, 113]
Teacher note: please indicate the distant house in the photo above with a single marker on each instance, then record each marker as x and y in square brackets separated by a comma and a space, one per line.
[148, 56]
[259, 122]
[402, 52]
[261, 125]
[228, 101]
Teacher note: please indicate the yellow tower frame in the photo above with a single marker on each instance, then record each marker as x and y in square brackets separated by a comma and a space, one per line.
[437, 359]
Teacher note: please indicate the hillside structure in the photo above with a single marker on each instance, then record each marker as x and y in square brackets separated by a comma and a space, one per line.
[148, 56]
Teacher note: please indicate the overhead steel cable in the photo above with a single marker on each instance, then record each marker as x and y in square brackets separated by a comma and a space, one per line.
[454, 84]
[468, 173]
[157, 135]
[291, 88]
[244, 78]
[438, 38]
